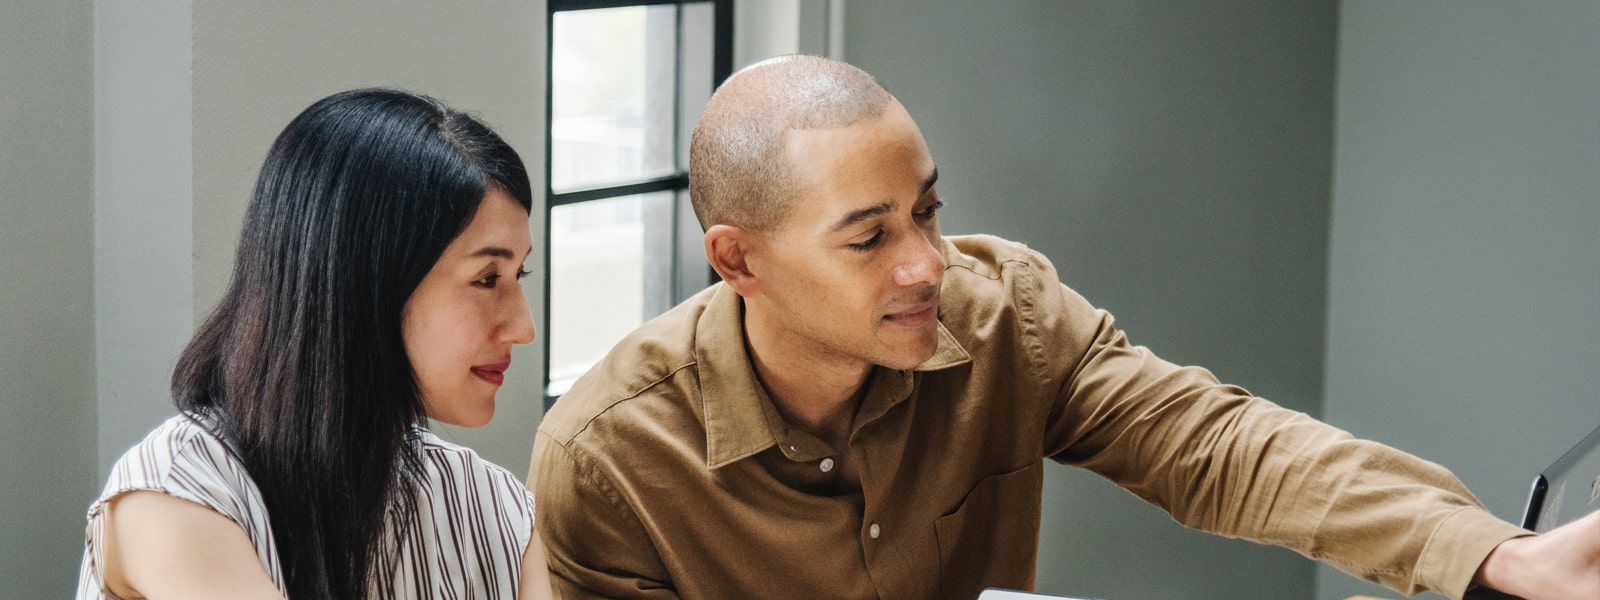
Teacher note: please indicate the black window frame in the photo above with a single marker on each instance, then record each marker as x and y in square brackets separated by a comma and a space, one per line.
[678, 181]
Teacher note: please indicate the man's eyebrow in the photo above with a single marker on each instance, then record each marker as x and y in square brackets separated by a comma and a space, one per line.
[884, 208]
[858, 216]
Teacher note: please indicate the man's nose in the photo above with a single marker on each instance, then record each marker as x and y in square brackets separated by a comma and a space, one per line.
[923, 265]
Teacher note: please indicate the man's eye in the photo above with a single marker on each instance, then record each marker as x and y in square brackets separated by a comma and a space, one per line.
[931, 210]
[869, 243]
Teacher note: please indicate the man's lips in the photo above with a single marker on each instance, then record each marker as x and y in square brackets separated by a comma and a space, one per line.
[917, 316]
[495, 373]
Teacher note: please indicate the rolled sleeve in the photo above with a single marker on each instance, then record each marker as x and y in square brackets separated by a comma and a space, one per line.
[1458, 547]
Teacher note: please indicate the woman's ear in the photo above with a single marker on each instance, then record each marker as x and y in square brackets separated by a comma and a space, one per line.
[728, 249]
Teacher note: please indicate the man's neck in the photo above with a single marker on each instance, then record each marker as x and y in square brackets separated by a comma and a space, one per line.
[814, 389]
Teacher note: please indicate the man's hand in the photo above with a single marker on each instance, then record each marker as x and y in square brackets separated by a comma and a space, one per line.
[1563, 564]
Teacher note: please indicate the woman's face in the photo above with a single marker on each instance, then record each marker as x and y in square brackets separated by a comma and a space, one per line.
[461, 321]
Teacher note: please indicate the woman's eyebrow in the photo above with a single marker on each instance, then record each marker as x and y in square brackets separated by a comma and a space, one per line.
[494, 251]
[500, 252]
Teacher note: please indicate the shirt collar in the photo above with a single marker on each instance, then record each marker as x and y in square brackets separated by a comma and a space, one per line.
[730, 394]
[737, 410]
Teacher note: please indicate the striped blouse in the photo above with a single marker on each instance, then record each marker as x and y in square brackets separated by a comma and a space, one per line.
[479, 517]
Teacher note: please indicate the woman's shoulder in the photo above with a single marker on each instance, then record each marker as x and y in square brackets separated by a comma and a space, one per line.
[462, 492]
[180, 449]
[473, 522]
[183, 458]
[182, 428]
[453, 462]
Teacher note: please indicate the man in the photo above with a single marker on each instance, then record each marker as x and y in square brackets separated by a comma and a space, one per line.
[862, 407]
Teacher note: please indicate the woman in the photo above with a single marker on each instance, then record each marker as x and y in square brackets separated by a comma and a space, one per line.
[375, 289]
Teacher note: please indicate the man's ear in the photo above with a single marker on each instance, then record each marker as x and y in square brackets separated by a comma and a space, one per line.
[728, 249]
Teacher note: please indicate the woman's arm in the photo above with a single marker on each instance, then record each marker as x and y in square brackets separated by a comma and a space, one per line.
[159, 546]
[535, 584]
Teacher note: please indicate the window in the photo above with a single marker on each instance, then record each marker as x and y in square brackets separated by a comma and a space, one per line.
[627, 81]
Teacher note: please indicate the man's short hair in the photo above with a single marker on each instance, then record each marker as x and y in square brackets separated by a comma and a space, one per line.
[738, 174]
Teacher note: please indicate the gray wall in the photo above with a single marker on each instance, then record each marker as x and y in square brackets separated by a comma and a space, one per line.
[47, 435]
[1464, 280]
[1173, 162]
[143, 251]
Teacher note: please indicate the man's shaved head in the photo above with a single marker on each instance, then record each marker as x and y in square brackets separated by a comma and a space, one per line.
[738, 174]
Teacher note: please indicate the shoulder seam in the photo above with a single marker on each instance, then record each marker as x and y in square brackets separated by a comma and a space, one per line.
[620, 399]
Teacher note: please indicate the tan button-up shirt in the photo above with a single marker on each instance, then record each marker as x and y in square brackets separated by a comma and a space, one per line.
[666, 471]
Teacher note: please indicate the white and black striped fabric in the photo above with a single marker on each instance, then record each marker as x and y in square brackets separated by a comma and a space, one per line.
[475, 518]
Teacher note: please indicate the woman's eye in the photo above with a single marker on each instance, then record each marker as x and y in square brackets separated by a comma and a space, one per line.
[869, 243]
[931, 210]
[522, 272]
[488, 281]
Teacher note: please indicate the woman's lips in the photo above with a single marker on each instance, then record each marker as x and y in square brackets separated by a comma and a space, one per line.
[495, 374]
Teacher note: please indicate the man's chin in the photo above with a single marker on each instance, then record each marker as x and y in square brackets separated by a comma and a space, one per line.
[909, 357]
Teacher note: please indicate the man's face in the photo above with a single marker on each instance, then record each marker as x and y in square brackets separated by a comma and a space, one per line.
[854, 270]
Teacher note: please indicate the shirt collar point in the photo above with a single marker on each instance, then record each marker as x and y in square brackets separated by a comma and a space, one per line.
[948, 354]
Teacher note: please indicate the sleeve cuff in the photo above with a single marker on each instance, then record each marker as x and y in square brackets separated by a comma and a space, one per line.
[1457, 548]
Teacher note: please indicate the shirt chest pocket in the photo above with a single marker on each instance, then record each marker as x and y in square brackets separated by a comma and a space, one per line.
[991, 539]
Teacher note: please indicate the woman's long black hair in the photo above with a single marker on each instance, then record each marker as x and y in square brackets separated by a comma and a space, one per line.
[302, 367]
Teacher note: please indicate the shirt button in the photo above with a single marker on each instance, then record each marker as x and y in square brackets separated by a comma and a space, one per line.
[873, 531]
[827, 465]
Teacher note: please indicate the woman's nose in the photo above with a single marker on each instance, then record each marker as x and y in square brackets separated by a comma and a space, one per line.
[519, 326]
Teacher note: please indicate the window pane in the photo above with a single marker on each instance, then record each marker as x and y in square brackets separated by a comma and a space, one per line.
[612, 73]
[609, 272]
[697, 59]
